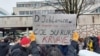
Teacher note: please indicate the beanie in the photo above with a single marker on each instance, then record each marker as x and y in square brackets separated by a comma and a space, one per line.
[32, 36]
[25, 41]
[75, 36]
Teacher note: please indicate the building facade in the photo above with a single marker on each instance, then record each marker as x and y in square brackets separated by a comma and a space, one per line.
[35, 7]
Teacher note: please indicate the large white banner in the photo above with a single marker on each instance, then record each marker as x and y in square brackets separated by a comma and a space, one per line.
[54, 28]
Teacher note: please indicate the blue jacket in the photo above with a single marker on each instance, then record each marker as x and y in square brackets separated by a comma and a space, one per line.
[63, 49]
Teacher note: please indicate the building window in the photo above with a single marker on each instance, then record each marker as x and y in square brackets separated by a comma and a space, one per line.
[27, 13]
[21, 12]
[98, 10]
[20, 5]
[31, 12]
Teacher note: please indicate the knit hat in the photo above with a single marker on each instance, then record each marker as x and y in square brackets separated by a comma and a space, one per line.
[32, 36]
[75, 36]
[25, 41]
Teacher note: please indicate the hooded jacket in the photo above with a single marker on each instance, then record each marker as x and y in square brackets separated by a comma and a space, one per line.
[96, 45]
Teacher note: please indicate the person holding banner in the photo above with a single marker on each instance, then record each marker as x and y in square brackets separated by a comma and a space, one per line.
[73, 49]
[33, 47]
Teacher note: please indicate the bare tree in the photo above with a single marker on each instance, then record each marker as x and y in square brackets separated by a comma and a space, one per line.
[73, 6]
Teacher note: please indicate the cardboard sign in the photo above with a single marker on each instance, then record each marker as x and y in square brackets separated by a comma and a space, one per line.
[54, 28]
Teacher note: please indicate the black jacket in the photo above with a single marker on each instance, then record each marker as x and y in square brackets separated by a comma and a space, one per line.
[20, 52]
[15, 47]
[96, 46]
[4, 47]
[34, 50]
[73, 49]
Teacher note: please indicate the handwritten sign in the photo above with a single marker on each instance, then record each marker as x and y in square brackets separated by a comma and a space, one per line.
[54, 29]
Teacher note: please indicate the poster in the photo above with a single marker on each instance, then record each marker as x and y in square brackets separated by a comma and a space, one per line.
[54, 28]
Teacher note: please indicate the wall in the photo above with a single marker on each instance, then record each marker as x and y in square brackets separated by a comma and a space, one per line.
[87, 24]
[15, 21]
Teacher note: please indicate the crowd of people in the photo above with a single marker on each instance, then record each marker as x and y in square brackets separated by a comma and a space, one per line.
[27, 46]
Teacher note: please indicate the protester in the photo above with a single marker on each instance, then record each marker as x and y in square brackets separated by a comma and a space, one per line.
[73, 48]
[23, 49]
[91, 43]
[15, 46]
[81, 43]
[63, 49]
[97, 45]
[27, 46]
[54, 51]
[4, 47]
[42, 50]
[33, 47]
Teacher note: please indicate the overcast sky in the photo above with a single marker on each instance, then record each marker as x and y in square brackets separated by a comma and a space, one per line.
[9, 4]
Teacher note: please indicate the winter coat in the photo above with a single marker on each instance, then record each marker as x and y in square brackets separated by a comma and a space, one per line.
[91, 43]
[20, 52]
[15, 47]
[54, 51]
[42, 50]
[86, 42]
[63, 49]
[73, 49]
[34, 49]
[96, 46]
[4, 47]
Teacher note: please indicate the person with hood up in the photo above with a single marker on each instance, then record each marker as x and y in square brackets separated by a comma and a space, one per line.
[73, 48]
[97, 45]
